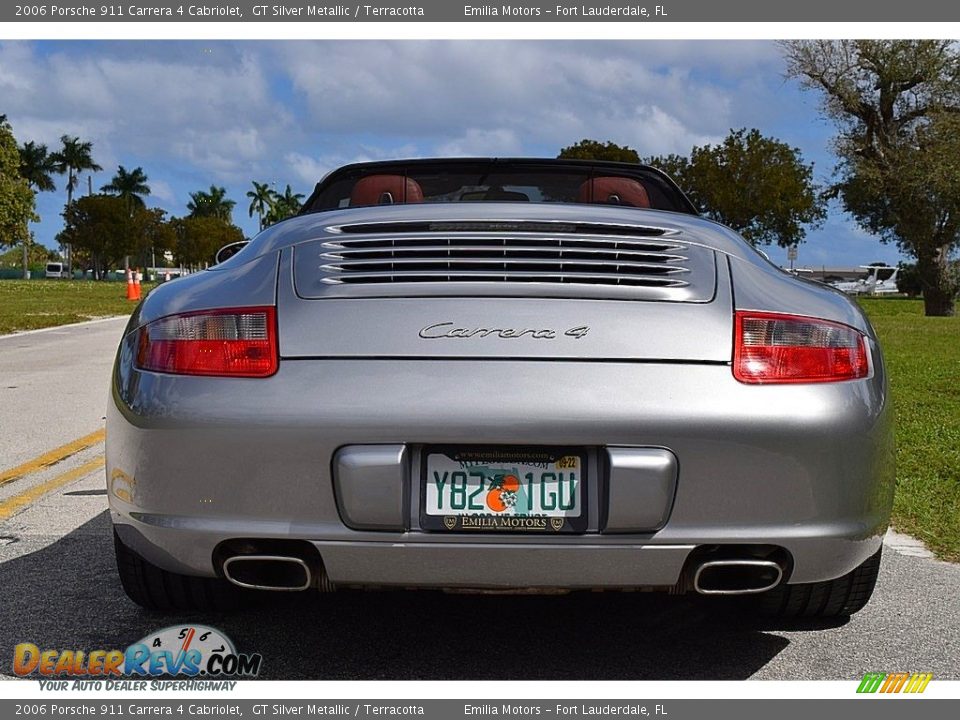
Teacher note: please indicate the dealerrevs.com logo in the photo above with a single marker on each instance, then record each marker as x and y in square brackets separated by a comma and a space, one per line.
[193, 651]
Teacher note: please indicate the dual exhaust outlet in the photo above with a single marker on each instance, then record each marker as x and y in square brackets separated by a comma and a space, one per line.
[269, 572]
[736, 577]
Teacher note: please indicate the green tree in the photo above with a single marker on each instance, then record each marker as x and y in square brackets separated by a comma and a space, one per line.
[156, 236]
[595, 150]
[754, 184]
[38, 257]
[896, 105]
[673, 165]
[199, 237]
[261, 201]
[102, 230]
[17, 198]
[908, 279]
[284, 206]
[37, 167]
[74, 157]
[131, 185]
[211, 204]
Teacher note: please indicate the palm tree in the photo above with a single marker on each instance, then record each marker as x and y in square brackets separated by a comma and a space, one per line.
[129, 185]
[211, 204]
[292, 201]
[261, 200]
[73, 158]
[37, 166]
[284, 206]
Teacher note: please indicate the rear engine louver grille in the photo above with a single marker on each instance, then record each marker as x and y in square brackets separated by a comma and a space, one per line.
[615, 260]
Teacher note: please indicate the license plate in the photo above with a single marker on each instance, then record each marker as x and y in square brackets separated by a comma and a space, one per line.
[504, 490]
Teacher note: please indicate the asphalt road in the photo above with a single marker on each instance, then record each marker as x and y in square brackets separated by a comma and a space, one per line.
[60, 589]
[53, 386]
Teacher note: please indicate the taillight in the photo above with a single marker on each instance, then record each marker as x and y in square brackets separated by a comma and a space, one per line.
[775, 348]
[238, 343]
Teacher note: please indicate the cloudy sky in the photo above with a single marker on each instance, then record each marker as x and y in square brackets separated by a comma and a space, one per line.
[195, 113]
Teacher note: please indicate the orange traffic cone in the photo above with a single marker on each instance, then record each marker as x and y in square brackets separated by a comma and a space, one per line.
[137, 277]
[131, 290]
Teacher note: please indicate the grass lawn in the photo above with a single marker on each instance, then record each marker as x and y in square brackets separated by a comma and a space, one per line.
[923, 357]
[31, 304]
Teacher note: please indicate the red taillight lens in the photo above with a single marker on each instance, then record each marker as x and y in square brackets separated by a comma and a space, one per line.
[774, 348]
[235, 343]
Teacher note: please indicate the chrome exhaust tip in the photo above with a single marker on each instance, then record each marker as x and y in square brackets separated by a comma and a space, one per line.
[736, 577]
[268, 572]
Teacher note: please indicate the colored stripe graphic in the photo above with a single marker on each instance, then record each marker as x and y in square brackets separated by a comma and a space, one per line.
[894, 682]
[918, 683]
[871, 682]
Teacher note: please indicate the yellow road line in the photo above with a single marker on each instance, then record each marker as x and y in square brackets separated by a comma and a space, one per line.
[11, 505]
[52, 457]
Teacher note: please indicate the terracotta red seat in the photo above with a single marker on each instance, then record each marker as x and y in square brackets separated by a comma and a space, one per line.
[613, 191]
[386, 190]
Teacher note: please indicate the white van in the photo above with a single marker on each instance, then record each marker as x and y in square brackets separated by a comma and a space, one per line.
[56, 270]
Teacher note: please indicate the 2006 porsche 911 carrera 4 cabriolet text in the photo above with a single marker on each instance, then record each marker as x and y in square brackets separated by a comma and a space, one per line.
[499, 375]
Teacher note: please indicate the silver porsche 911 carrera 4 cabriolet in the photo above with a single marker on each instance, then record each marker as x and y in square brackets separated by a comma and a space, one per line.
[531, 375]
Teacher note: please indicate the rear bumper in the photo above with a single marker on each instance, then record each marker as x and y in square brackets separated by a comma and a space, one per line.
[193, 462]
[405, 561]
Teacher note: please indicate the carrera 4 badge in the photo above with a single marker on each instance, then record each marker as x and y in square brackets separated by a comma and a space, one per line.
[450, 330]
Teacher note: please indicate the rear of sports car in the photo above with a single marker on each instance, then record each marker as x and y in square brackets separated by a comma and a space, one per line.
[526, 398]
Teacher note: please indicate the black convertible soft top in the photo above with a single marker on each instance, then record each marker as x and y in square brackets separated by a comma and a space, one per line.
[497, 180]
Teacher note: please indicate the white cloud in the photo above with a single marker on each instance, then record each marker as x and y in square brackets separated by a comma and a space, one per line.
[305, 168]
[227, 154]
[658, 127]
[545, 94]
[206, 111]
[12, 81]
[477, 142]
[162, 191]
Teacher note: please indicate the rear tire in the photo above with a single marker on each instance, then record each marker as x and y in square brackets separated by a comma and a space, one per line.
[832, 598]
[154, 588]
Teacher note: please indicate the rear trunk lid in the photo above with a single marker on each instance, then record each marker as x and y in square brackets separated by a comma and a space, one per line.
[505, 289]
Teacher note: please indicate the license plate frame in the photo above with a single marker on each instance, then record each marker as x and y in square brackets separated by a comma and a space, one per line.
[482, 523]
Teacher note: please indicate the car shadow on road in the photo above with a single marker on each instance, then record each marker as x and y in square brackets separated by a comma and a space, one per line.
[68, 596]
